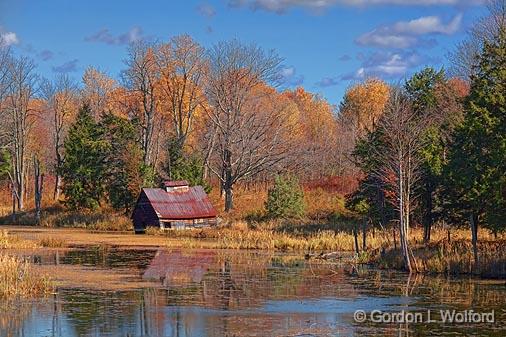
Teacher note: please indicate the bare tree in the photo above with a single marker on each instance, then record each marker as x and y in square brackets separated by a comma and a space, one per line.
[402, 137]
[20, 120]
[61, 102]
[97, 90]
[248, 134]
[141, 77]
[5, 60]
[464, 58]
[182, 65]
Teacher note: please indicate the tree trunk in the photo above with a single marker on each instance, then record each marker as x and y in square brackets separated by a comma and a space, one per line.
[403, 223]
[427, 219]
[364, 235]
[38, 187]
[395, 239]
[57, 187]
[228, 184]
[473, 220]
[13, 203]
[355, 235]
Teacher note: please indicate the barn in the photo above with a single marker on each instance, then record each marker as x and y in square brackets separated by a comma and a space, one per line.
[176, 206]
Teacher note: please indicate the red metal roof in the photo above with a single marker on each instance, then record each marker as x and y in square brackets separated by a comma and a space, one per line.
[191, 203]
[175, 183]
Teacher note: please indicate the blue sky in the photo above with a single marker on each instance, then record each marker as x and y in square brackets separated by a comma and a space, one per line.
[327, 45]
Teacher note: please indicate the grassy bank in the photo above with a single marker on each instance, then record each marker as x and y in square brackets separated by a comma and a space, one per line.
[18, 279]
[440, 256]
[451, 258]
[56, 216]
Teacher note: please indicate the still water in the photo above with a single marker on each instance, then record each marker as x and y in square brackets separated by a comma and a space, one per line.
[233, 293]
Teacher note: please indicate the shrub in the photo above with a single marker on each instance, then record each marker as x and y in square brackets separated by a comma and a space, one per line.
[285, 199]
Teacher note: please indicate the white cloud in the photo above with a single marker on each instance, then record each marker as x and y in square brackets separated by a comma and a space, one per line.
[405, 34]
[105, 36]
[289, 77]
[206, 10]
[328, 81]
[388, 65]
[8, 38]
[281, 6]
[67, 67]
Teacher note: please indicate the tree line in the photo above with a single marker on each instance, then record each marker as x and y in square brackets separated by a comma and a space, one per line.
[194, 113]
[437, 153]
[431, 149]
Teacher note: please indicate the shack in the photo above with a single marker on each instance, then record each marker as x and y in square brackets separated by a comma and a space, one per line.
[176, 206]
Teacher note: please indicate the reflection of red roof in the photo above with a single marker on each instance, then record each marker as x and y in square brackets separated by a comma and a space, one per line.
[191, 203]
[175, 183]
[173, 267]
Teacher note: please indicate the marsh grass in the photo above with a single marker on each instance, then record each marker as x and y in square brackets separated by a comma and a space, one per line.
[8, 241]
[52, 242]
[102, 220]
[18, 279]
[451, 258]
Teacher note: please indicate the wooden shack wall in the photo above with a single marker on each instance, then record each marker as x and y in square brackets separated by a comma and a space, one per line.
[144, 214]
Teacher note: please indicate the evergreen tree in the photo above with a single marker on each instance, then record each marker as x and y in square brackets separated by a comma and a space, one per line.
[182, 166]
[285, 199]
[124, 169]
[475, 175]
[82, 169]
[371, 190]
[5, 163]
[421, 89]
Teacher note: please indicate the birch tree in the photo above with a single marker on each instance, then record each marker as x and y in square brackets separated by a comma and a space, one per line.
[402, 131]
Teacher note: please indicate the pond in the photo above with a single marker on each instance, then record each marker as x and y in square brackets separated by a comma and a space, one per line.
[149, 292]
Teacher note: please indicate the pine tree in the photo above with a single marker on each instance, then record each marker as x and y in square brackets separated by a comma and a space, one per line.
[82, 169]
[475, 175]
[285, 199]
[5, 163]
[124, 170]
[182, 166]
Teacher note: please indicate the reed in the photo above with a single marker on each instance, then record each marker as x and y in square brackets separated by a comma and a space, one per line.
[52, 242]
[451, 258]
[8, 241]
[102, 220]
[18, 279]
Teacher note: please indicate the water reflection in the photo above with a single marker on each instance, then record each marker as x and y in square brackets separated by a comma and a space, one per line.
[220, 293]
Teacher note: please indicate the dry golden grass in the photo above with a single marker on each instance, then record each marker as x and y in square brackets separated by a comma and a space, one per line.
[18, 279]
[52, 242]
[102, 220]
[8, 241]
[452, 258]
[249, 203]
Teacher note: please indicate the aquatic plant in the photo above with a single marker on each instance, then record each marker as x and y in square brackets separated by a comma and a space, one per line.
[19, 279]
[8, 241]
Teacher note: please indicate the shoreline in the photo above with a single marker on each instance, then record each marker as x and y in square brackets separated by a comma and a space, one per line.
[439, 257]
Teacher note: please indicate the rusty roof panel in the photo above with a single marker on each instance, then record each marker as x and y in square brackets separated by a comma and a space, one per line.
[191, 203]
[175, 183]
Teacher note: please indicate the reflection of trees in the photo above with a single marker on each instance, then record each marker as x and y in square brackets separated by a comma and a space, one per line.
[94, 313]
[107, 257]
[12, 321]
[212, 305]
